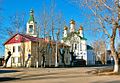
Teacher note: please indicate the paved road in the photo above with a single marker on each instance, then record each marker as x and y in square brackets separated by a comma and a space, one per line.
[55, 75]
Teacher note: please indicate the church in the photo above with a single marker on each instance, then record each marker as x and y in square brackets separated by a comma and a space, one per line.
[26, 50]
[22, 45]
[78, 44]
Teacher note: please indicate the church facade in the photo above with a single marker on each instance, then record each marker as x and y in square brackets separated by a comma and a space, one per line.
[22, 46]
[78, 44]
[28, 49]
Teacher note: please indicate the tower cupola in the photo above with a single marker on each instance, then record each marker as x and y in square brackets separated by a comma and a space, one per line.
[80, 31]
[65, 31]
[31, 18]
[72, 26]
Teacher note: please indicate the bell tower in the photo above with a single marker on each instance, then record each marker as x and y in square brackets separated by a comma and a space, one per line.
[31, 25]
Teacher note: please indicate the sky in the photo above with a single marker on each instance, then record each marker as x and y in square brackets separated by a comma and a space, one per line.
[68, 10]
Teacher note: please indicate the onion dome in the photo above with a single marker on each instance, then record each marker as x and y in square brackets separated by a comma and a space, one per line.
[81, 28]
[65, 28]
[72, 22]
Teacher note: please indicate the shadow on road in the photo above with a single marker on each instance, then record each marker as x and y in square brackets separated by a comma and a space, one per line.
[60, 75]
[3, 79]
[8, 71]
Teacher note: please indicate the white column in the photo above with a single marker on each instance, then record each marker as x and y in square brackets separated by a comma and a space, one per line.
[81, 33]
[65, 33]
[72, 27]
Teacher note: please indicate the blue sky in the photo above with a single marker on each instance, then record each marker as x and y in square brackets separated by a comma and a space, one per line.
[68, 10]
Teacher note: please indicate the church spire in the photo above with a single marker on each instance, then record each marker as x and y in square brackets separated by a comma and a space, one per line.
[31, 25]
[31, 18]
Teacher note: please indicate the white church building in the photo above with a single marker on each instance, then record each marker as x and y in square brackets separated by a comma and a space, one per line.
[78, 44]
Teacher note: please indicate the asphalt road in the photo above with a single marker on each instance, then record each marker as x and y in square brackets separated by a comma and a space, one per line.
[55, 75]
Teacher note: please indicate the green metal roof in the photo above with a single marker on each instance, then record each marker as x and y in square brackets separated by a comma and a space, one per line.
[31, 18]
[71, 35]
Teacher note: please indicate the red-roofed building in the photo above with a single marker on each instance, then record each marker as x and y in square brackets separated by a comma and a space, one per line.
[27, 51]
[21, 46]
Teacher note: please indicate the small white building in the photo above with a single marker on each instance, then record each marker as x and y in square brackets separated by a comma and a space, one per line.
[77, 42]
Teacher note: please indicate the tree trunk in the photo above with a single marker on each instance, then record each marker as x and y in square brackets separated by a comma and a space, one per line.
[116, 65]
[115, 56]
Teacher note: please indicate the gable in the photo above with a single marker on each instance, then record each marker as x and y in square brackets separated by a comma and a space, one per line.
[89, 47]
[17, 38]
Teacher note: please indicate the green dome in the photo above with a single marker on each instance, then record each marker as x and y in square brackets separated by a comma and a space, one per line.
[31, 18]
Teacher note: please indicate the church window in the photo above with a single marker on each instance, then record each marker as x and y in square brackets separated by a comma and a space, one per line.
[13, 48]
[30, 28]
[75, 46]
[81, 57]
[80, 47]
[72, 48]
[19, 48]
[13, 59]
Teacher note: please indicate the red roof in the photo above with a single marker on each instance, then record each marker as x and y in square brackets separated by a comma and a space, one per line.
[17, 38]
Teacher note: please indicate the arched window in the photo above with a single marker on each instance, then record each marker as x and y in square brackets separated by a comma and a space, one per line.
[31, 28]
[13, 48]
[75, 46]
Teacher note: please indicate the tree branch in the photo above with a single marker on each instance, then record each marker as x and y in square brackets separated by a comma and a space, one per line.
[100, 21]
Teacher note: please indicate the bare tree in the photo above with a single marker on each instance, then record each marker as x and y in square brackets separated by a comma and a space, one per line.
[17, 24]
[43, 20]
[118, 48]
[50, 22]
[99, 47]
[106, 13]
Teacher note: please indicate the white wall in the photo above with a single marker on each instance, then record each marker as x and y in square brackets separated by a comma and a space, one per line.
[16, 54]
[90, 57]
